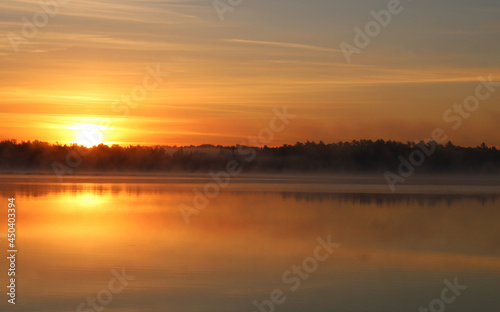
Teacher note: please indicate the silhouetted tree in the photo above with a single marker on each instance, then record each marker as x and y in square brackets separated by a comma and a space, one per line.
[363, 156]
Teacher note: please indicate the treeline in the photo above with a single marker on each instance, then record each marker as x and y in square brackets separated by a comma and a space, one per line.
[364, 156]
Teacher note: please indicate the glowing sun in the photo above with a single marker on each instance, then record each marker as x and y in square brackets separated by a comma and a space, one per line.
[89, 135]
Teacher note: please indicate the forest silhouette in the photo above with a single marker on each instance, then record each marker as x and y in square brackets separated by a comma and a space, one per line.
[363, 156]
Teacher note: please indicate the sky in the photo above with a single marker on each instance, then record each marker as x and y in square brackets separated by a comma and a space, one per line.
[225, 76]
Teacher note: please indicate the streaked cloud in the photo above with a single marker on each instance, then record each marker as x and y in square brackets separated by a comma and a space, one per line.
[283, 45]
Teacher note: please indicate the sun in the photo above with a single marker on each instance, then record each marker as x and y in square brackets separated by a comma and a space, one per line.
[83, 140]
[89, 135]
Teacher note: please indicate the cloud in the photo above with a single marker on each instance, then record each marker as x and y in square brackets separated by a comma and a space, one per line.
[284, 45]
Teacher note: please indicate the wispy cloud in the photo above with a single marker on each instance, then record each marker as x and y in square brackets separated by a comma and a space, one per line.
[283, 45]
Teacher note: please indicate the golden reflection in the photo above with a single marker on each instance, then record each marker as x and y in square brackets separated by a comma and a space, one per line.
[243, 241]
[90, 200]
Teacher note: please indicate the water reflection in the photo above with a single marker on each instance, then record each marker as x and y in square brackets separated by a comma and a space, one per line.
[396, 248]
[394, 199]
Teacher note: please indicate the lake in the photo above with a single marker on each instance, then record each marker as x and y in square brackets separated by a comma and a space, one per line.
[263, 243]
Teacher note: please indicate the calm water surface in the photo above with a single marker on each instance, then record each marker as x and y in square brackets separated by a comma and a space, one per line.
[396, 249]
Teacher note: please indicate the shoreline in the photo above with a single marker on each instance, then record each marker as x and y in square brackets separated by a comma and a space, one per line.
[321, 183]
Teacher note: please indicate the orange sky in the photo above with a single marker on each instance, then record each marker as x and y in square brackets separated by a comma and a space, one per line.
[225, 77]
